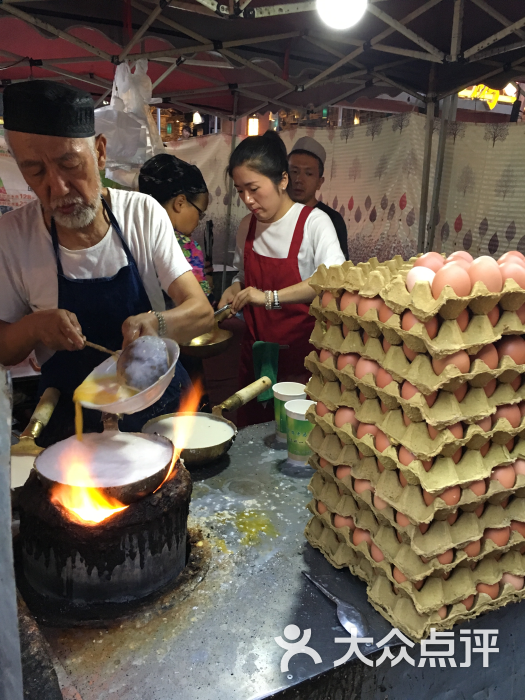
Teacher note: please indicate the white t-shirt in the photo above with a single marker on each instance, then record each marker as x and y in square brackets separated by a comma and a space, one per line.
[320, 244]
[28, 270]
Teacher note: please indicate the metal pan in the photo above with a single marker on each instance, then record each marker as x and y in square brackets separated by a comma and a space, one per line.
[125, 493]
[213, 343]
[198, 456]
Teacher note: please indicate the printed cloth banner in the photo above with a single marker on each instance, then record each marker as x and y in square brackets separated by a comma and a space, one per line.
[13, 190]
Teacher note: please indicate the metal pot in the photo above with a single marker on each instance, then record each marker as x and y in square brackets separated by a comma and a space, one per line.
[213, 343]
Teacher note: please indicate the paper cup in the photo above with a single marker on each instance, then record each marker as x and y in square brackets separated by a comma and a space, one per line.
[297, 429]
[283, 392]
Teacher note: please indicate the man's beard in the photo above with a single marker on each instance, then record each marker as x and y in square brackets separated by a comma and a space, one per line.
[83, 214]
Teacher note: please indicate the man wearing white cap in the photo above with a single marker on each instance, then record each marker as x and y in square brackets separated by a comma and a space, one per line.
[306, 170]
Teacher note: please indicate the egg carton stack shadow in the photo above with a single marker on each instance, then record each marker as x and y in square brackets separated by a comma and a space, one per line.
[419, 486]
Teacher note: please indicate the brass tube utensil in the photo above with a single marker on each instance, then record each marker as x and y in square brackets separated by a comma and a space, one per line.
[101, 348]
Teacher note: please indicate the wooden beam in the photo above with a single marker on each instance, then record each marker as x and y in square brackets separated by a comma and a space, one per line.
[29, 19]
[457, 29]
[280, 10]
[498, 50]
[416, 13]
[419, 55]
[497, 16]
[494, 38]
[398, 26]
[342, 61]
[164, 75]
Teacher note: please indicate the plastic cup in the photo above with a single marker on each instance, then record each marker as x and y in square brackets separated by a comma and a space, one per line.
[283, 392]
[298, 428]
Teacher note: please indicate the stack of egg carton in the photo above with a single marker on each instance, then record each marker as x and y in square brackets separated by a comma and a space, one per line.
[432, 519]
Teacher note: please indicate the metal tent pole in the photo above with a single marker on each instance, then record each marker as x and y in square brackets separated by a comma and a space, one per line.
[230, 194]
[445, 115]
[10, 660]
[425, 179]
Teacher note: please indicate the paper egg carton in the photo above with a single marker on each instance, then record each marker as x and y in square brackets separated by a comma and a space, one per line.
[449, 339]
[340, 498]
[445, 411]
[409, 499]
[350, 277]
[420, 372]
[400, 608]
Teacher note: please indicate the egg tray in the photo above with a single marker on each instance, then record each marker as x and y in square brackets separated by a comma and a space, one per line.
[415, 437]
[340, 498]
[409, 499]
[445, 411]
[399, 609]
[350, 277]
[450, 337]
[419, 372]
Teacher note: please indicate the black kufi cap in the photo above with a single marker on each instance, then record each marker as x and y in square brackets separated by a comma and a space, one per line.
[49, 108]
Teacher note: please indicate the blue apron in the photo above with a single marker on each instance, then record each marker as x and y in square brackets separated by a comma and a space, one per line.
[101, 306]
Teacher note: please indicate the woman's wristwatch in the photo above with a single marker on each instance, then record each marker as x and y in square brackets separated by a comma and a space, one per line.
[272, 300]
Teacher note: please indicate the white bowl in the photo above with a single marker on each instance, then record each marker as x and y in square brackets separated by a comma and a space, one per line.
[144, 399]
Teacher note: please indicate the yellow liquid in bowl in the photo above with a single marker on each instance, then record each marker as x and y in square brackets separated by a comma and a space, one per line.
[101, 391]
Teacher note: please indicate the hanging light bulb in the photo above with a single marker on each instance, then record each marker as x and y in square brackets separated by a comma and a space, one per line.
[341, 14]
[197, 119]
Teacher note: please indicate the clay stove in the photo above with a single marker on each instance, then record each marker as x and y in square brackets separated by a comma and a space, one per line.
[126, 557]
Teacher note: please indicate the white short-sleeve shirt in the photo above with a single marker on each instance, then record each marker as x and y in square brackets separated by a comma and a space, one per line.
[28, 270]
[320, 244]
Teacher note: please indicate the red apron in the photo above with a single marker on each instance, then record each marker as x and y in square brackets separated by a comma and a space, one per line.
[290, 326]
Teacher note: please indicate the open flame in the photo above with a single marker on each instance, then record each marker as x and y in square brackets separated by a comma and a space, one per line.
[86, 502]
[189, 404]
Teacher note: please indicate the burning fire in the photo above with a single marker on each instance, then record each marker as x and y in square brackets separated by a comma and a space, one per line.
[189, 404]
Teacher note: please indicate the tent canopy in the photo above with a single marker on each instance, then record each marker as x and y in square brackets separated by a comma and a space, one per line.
[253, 55]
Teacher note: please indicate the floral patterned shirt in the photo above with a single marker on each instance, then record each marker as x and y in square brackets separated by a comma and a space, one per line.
[194, 255]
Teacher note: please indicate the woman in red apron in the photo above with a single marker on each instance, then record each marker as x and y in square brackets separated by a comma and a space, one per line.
[279, 246]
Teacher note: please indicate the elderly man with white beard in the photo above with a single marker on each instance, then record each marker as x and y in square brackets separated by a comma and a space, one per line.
[83, 262]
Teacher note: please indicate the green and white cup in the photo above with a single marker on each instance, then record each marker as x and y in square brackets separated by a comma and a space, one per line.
[283, 392]
[298, 429]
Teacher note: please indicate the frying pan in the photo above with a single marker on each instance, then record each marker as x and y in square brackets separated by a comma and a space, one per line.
[198, 456]
[213, 343]
[148, 475]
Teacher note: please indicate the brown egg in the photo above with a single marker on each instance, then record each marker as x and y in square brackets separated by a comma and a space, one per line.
[349, 298]
[325, 355]
[409, 354]
[505, 503]
[343, 472]
[349, 359]
[399, 537]
[323, 463]
[468, 602]
[505, 475]
[386, 345]
[519, 467]
[402, 519]
[326, 299]
[479, 510]
[385, 313]
[494, 315]
[379, 503]
[516, 383]
[452, 518]
[321, 409]
[345, 415]
[516, 581]
[500, 536]
[398, 576]
[380, 466]
[408, 320]
[488, 355]
[321, 508]
[485, 424]
[451, 495]
[340, 521]
[376, 553]
[478, 487]
[514, 347]
[485, 269]
[518, 526]
[361, 536]
[408, 390]
[365, 367]
[510, 445]
[447, 557]
[382, 442]
[473, 549]
[383, 378]
[402, 479]
[434, 261]
[442, 612]
[328, 324]
[462, 254]
[458, 261]
[456, 430]
[453, 275]
[513, 271]
[362, 485]
[491, 590]
[460, 359]
[366, 304]
[405, 457]
[345, 330]
[431, 398]
[406, 419]
[490, 388]
[485, 448]
[510, 413]
[511, 254]
[521, 406]
[366, 337]
[362, 397]
[463, 320]
[366, 429]
[429, 498]
[521, 313]
[384, 407]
